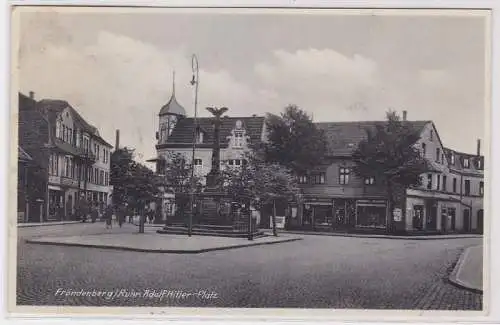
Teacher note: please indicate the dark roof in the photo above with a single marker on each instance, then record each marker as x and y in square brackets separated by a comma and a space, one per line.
[183, 131]
[459, 160]
[23, 155]
[53, 107]
[343, 137]
[172, 107]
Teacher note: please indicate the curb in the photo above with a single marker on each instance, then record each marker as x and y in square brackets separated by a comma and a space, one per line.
[385, 236]
[171, 251]
[46, 224]
[453, 278]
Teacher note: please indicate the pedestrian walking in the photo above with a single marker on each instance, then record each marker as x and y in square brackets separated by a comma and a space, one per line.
[108, 215]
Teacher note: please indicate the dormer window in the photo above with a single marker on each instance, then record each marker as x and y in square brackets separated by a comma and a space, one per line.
[238, 139]
[466, 163]
[199, 137]
[479, 163]
[452, 159]
[431, 135]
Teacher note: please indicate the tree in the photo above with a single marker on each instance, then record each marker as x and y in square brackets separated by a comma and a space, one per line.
[133, 183]
[294, 141]
[260, 182]
[389, 154]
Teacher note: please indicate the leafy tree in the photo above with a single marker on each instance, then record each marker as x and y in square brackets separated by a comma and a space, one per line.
[176, 173]
[260, 182]
[133, 183]
[389, 154]
[294, 141]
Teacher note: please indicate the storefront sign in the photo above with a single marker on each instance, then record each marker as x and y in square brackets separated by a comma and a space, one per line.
[397, 214]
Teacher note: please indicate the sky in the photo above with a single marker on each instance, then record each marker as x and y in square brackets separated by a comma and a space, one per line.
[116, 68]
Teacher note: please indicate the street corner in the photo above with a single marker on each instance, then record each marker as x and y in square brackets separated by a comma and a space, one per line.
[468, 271]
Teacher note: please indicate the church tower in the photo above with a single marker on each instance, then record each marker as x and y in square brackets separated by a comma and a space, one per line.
[169, 115]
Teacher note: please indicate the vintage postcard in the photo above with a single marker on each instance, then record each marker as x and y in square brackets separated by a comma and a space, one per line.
[292, 163]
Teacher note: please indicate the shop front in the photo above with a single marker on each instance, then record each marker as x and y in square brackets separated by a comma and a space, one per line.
[56, 203]
[371, 214]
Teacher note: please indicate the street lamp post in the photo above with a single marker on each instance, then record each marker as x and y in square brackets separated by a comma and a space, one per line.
[194, 82]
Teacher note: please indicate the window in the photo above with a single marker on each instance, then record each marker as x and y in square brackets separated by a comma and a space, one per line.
[467, 187]
[452, 159]
[431, 135]
[369, 180]
[230, 162]
[424, 148]
[344, 175]
[58, 129]
[444, 182]
[454, 185]
[238, 139]
[481, 188]
[479, 163]
[70, 135]
[198, 162]
[318, 178]
[163, 133]
[438, 182]
[429, 181]
[466, 163]
[303, 179]
[72, 168]
[237, 162]
[106, 178]
[98, 150]
[438, 154]
[101, 177]
[199, 137]
[54, 164]
[96, 176]
[442, 158]
[89, 174]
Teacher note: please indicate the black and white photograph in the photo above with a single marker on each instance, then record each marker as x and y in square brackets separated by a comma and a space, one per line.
[299, 159]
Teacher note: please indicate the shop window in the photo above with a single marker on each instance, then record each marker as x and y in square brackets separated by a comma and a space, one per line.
[344, 174]
[318, 178]
[369, 180]
[303, 179]
[371, 216]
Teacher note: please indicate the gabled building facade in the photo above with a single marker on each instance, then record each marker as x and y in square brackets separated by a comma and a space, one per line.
[332, 196]
[69, 152]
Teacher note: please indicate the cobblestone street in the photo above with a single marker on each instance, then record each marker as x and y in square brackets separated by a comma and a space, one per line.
[316, 272]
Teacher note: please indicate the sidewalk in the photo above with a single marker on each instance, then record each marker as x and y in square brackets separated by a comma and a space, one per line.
[46, 223]
[468, 273]
[156, 243]
[408, 237]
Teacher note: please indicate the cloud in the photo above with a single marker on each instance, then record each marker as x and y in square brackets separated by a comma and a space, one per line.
[325, 82]
[117, 82]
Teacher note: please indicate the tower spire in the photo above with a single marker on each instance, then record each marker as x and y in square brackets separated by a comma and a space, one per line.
[173, 83]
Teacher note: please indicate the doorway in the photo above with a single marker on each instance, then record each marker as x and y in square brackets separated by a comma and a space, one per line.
[431, 209]
[480, 221]
[467, 223]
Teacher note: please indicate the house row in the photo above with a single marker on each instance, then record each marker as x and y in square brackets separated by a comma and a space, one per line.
[63, 160]
[450, 198]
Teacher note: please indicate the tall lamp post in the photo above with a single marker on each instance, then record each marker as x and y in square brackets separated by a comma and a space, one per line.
[194, 82]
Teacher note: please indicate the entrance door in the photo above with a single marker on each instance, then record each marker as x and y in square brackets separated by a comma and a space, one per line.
[452, 214]
[69, 208]
[480, 221]
[467, 226]
[431, 216]
[418, 216]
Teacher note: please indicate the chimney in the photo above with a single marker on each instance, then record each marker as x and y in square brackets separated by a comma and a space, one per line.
[32, 94]
[405, 113]
[479, 147]
[117, 141]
